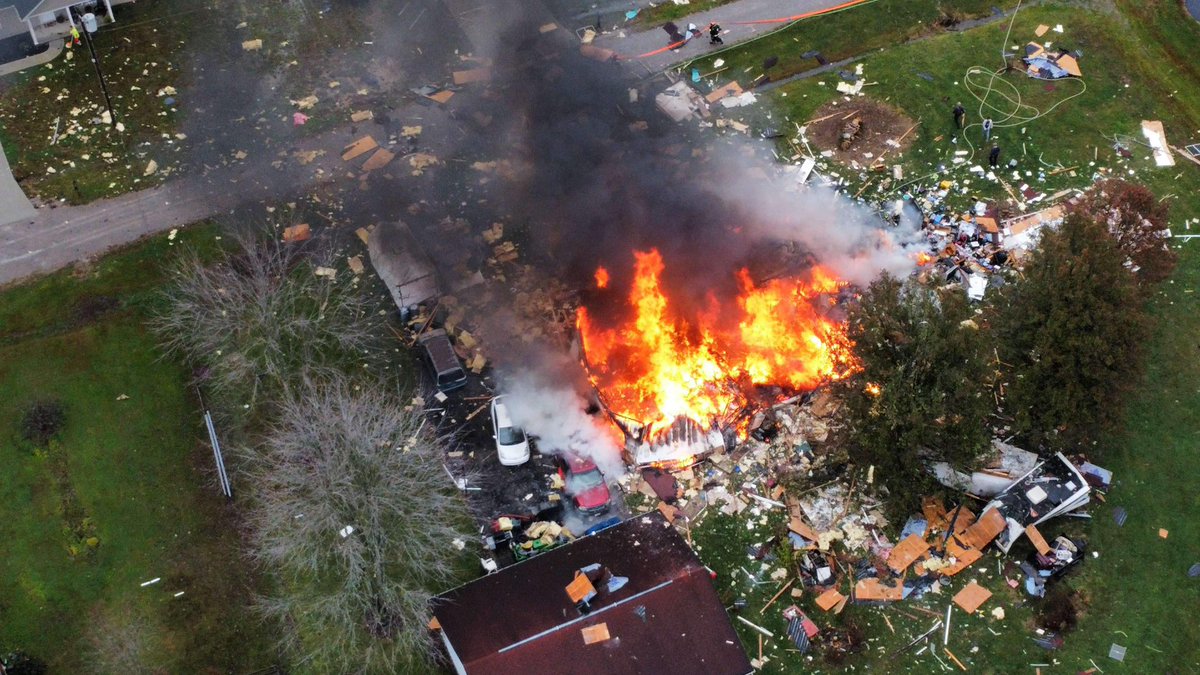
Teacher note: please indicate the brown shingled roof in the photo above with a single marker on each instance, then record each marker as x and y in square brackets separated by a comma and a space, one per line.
[666, 619]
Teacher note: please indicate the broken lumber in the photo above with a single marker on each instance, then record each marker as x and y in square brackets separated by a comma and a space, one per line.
[358, 148]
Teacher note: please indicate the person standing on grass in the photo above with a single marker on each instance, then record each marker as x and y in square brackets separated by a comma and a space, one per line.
[994, 156]
[74, 36]
[987, 129]
[960, 115]
[714, 34]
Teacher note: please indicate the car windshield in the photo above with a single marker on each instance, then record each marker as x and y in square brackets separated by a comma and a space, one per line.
[585, 481]
[510, 435]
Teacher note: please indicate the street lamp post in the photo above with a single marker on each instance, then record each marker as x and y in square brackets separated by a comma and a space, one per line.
[89, 26]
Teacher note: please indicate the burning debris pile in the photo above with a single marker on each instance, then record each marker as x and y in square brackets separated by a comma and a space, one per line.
[679, 387]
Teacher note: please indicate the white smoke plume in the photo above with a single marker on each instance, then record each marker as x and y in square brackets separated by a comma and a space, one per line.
[554, 411]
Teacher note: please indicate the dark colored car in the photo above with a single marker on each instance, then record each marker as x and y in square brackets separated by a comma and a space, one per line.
[438, 354]
[584, 483]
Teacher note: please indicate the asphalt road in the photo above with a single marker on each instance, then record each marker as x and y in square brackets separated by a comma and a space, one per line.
[733, 17]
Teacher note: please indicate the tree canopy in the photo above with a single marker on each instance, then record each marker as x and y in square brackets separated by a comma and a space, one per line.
[1137, 222]
[1070, 333]
[924, 388]
[358, 520]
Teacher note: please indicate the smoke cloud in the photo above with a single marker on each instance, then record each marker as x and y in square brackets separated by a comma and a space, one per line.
[554, 411]
[600, 173]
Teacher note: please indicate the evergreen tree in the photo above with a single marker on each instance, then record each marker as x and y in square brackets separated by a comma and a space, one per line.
[923, 392]
[1070, 334]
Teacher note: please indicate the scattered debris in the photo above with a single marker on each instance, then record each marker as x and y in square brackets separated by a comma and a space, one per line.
[296, 233]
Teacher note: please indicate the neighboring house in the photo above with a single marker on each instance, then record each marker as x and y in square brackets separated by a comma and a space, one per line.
[631, 599]
[47, 20]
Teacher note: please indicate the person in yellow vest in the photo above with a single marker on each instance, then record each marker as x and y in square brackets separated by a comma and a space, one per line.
[75, 36]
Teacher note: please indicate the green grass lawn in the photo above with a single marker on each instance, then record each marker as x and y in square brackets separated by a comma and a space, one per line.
[842, 34]
[1137, 66]
[90, 160]
[140, 472]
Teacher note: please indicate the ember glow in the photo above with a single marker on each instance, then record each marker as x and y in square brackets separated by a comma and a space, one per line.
[601, 277]
[657, 366]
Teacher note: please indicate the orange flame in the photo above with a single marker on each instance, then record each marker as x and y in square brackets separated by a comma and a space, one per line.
[924, 258]
[601, 277]
[658, 366]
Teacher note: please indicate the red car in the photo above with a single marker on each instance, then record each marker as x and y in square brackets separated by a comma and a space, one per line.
[584, 482]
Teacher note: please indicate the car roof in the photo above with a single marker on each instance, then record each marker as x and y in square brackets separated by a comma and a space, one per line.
[579, 464]
[500, 413]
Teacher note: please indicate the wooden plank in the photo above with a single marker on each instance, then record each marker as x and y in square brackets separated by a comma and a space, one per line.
[906, 552]
[1035, 537]
[875, 590]
[971, 597]
[380, 159]
[829, 599]
[987, 528]
[359, 148]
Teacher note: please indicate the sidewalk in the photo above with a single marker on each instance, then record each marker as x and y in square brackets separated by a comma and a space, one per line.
[45, 56]
[635, 44]
[14, 205]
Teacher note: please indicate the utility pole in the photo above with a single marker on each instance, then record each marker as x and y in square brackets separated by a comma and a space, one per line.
[89, 26]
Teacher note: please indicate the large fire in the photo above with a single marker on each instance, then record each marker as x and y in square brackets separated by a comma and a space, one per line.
[657, 366]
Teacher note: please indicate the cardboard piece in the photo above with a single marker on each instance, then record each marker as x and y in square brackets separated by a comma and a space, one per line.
[358, 148]
[984, 530]
[1162, 532]
[1036, 538]
[873, 589]
[380, 159]
[362, 116]
[1069, 64]
[252, 45]
[441, 96]
[829, 599]
[669, 512]
[1156, 136]
[906, 552]
[434, 624]
[580, 588]
[296, 233]
[1041, 30]
[473, 75]
[971, 597]
[594, 634]
[731, 89]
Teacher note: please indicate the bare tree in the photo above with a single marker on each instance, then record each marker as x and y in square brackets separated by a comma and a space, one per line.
[357, 517]
[260, 316]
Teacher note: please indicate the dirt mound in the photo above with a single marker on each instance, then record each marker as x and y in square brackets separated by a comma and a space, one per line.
[859, 130]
